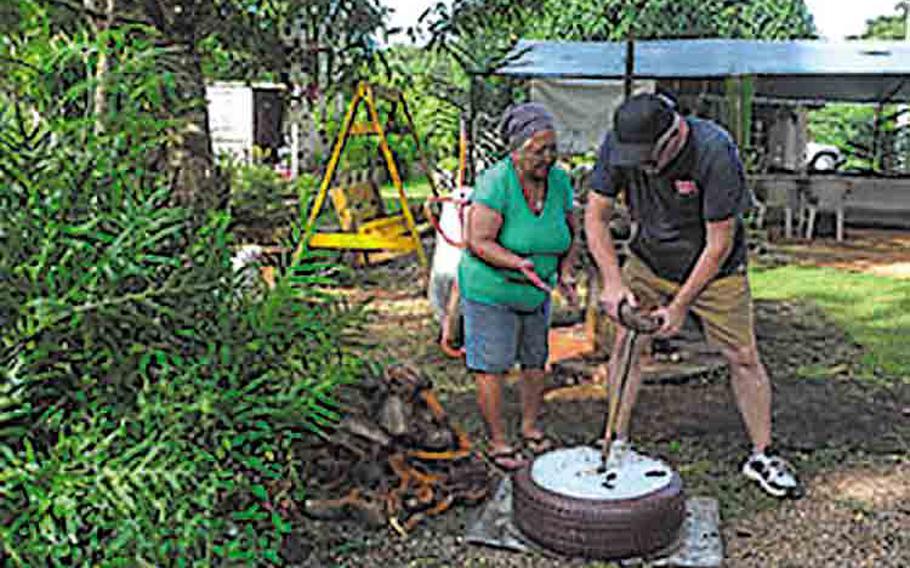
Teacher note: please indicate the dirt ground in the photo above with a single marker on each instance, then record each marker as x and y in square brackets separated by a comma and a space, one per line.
[849, 439]
[879, 252]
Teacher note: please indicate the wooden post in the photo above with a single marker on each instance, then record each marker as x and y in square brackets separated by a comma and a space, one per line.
[746, 94]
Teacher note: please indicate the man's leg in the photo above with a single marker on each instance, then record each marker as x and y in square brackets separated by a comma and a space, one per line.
[629, 395]
[752, 391]
[726, 310]
[648, 289]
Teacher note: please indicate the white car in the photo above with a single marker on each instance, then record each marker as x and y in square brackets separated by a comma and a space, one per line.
[823, 157]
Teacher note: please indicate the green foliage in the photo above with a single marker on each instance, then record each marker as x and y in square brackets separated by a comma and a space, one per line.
[885, 28]
[747, 19]
[848, 127]
[468, 40]
[148, 406]
[477, 34]
[435, 88]
[261, 200]
[889, 27]
[323, 43]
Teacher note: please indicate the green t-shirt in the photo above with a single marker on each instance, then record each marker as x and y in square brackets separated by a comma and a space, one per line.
[540, 238]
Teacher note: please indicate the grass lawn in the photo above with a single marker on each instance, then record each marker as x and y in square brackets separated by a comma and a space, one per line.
[417, 190]
[874, 310]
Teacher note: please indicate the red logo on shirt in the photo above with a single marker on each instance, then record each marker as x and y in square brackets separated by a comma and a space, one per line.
[686, 187]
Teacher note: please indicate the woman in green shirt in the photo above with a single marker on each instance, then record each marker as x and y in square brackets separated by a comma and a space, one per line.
[520, 224]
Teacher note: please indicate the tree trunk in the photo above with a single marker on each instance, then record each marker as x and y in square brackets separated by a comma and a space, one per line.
[100, 25]
[191, 160]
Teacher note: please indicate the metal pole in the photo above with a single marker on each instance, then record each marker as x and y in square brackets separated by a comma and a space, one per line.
[629, 78]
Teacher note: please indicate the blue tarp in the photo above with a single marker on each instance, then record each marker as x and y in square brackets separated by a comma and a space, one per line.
[806, 69]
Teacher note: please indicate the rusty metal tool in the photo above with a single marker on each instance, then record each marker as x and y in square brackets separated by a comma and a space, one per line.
[636, 323]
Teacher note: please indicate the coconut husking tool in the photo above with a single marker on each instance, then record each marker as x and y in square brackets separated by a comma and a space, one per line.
[636, 323]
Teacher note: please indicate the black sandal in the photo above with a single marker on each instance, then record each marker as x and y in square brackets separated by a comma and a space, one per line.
[538, 445]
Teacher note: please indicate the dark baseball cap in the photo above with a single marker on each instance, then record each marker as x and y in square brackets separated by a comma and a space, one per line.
[637, 126]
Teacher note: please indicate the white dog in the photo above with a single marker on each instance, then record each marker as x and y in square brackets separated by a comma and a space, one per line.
[446, 256]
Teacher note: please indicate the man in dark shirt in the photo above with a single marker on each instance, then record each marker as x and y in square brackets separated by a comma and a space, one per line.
[685, 186]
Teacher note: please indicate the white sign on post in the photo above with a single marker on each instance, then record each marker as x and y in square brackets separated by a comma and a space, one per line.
[231, 119]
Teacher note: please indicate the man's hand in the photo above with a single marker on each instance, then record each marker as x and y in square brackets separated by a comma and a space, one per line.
[671, 317]
[612, 296]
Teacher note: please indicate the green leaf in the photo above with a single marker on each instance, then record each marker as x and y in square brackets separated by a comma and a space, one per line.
[259, 492]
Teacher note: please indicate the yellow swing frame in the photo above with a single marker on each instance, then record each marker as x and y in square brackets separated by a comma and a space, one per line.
[397, 233]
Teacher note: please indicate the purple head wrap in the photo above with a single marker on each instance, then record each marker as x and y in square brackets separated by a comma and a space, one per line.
[521, 122]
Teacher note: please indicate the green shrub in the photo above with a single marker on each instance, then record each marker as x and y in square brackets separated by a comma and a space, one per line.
[148, 407]
[263, 203]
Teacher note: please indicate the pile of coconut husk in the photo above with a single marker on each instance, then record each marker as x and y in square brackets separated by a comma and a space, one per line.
[395, 458]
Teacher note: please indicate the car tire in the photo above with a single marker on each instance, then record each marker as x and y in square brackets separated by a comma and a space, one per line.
[596, 528]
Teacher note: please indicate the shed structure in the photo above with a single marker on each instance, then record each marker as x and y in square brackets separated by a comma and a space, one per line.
[747, 77]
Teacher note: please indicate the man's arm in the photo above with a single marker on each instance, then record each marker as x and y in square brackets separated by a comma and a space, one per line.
[718, 244]
[600, 241]
[597, 229]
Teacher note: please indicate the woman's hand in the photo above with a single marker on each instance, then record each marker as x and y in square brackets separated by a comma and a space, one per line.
[613, 296]
[671, 317]
[526, 267]
[567, 288]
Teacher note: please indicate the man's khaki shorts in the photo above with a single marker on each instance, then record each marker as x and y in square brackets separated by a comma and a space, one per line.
[724, 306]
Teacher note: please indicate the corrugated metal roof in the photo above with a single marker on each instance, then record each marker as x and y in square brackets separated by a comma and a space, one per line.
[871, 69]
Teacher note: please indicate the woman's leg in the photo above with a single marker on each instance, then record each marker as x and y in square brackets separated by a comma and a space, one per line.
[533, 352]
[490, 340]
[533, 382]
[489, 399]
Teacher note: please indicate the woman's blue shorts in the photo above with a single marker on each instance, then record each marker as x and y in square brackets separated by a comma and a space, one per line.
[497, 337]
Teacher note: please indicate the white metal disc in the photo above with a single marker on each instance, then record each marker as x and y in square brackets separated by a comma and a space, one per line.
[576, 472]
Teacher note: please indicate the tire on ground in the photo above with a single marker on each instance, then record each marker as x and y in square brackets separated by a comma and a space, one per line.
[597, 528]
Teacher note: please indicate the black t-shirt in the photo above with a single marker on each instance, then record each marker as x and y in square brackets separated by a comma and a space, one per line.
[706, 182]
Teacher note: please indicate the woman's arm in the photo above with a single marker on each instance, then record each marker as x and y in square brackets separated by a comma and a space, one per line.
[483, 230]
[567, 261]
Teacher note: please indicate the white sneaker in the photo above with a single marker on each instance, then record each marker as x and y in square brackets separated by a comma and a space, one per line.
[773, 474]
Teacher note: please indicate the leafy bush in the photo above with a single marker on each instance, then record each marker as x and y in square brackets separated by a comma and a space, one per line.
[148, 409]
[263, 203]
